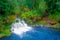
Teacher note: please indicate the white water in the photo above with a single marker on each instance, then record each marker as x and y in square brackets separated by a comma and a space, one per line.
[20, 27]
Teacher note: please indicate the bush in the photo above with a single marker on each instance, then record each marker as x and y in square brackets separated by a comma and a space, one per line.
[55, 16]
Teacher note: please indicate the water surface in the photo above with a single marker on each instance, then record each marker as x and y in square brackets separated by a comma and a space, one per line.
[36, 34]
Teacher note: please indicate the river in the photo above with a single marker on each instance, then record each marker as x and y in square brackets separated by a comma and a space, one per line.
[21, 31]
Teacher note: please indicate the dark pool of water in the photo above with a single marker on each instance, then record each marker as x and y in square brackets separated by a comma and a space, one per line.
[36, 34]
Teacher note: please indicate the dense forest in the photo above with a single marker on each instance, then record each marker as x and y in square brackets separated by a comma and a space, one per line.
[32, 11]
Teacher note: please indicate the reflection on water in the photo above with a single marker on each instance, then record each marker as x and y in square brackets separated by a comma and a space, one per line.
[21, 31]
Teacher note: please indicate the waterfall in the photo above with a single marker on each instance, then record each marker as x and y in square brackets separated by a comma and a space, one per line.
[20, 27]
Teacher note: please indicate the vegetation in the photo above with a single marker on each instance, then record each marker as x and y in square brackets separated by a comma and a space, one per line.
[6, 18]
[32, 11]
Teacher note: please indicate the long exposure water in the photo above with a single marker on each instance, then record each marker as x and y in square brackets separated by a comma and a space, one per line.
[21, 31]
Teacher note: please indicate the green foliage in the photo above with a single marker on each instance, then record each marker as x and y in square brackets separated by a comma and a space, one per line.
[15, 8]
[29, 14]
[55, 16]
[4, 7]
[58, 6]
[53, 5]
[6, 17]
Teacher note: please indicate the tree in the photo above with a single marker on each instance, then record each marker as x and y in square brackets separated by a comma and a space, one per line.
[51, 5]
[4, 7]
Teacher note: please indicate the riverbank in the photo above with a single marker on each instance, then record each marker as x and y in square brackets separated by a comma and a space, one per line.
[41, 33]
[45, 22]
[5, 25]
[33, 17]
[5, 34]
[34, 22]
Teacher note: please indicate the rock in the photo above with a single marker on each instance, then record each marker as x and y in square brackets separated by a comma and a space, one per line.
[51, 22]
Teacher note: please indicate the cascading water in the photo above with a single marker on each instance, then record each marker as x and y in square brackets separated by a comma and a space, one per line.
[20, 27]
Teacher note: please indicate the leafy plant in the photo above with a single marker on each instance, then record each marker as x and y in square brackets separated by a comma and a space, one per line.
[54, 16]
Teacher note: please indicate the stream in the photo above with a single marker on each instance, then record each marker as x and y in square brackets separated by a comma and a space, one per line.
[21, 31]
